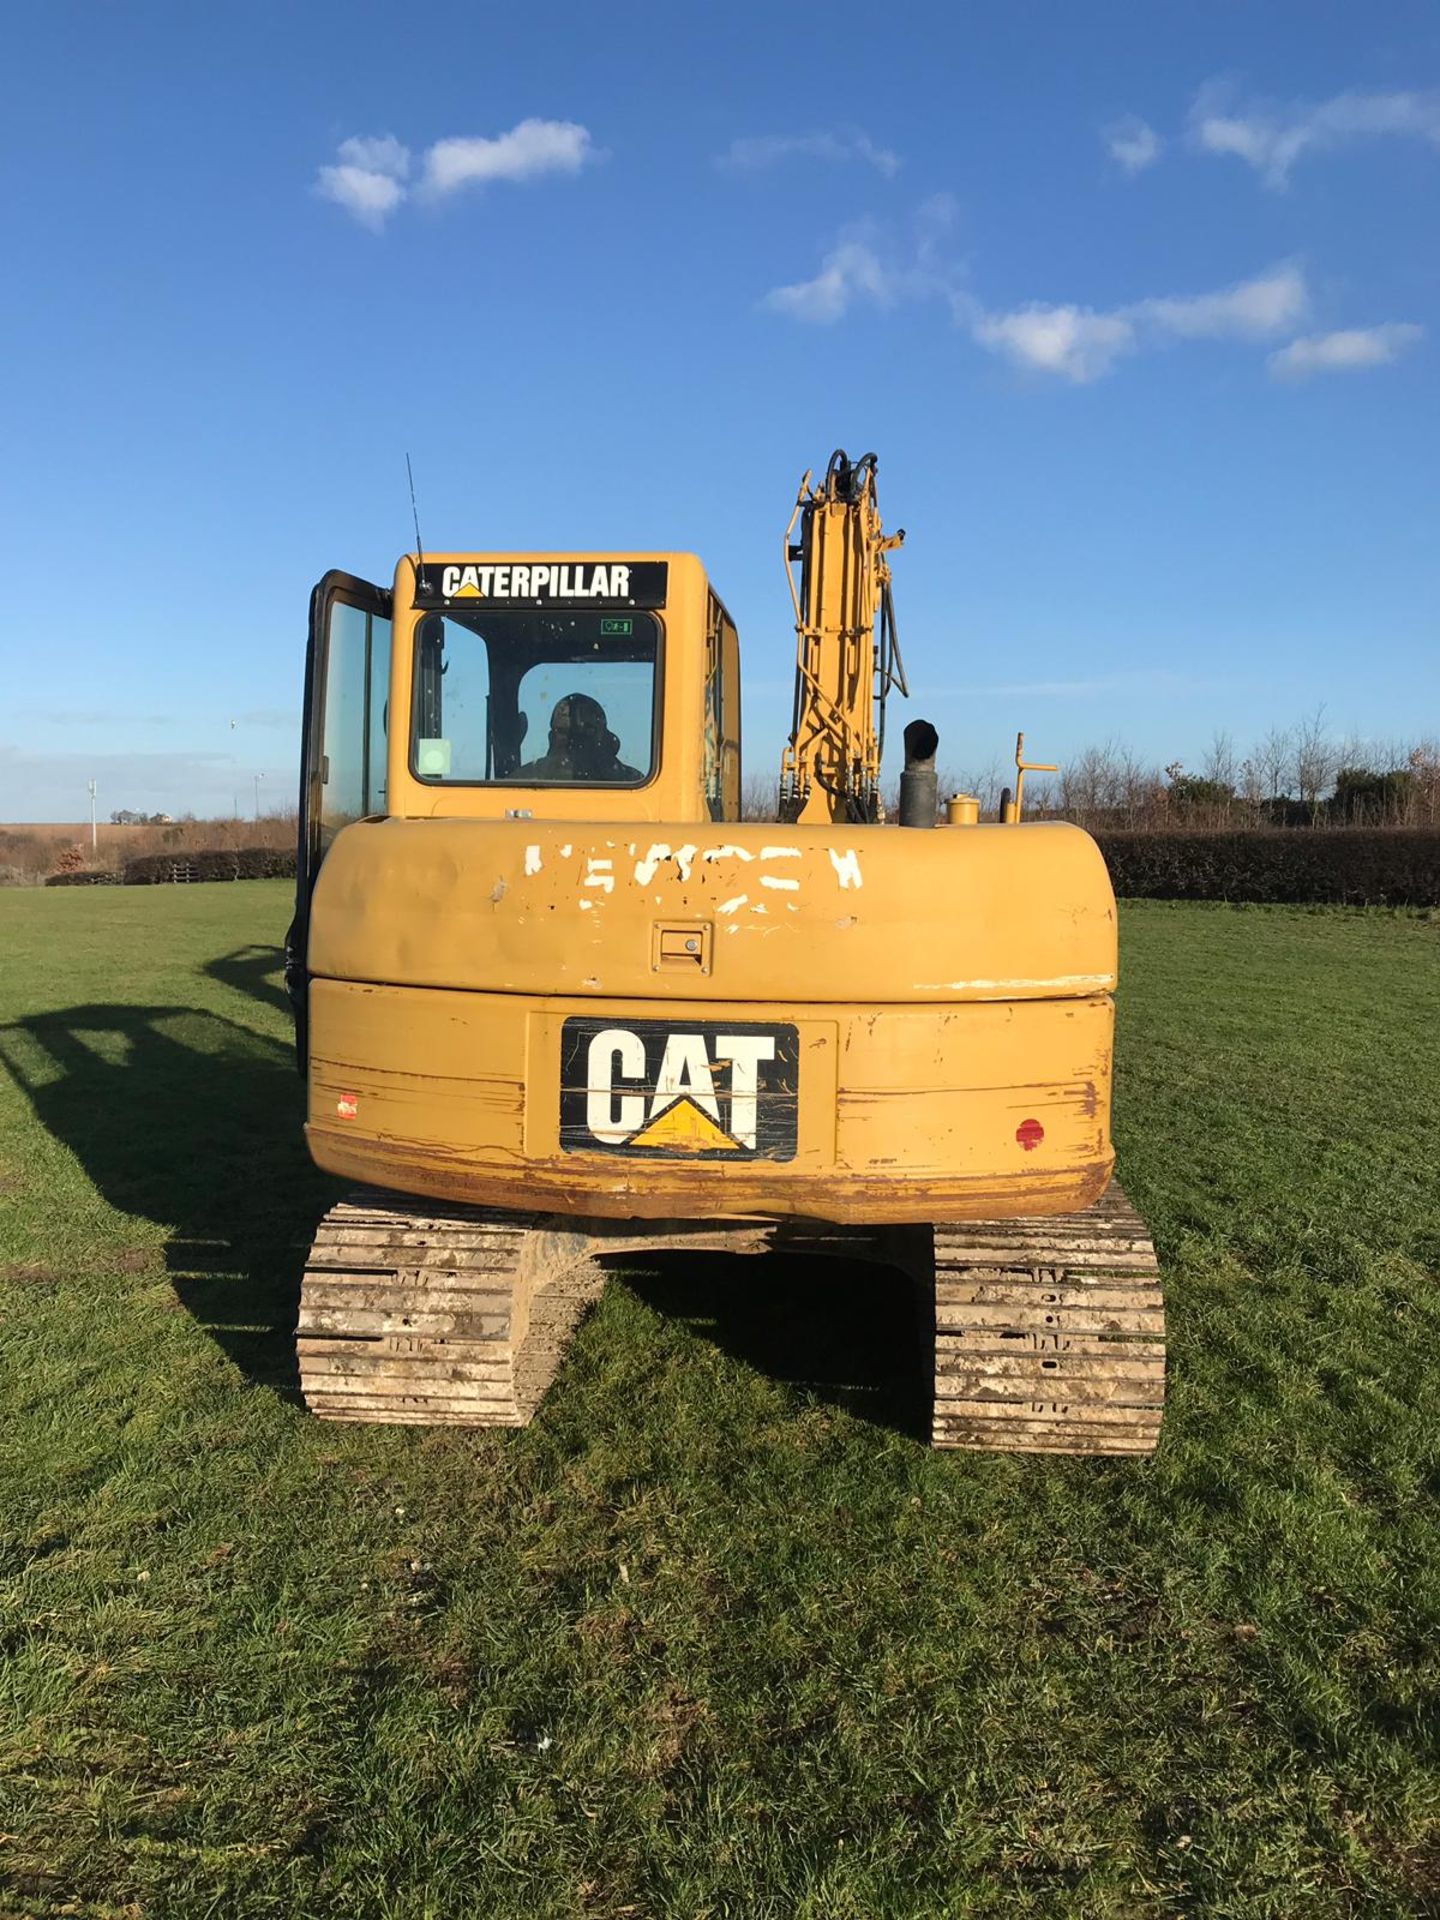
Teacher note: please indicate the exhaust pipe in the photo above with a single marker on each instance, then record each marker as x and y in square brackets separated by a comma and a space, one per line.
[919, 783]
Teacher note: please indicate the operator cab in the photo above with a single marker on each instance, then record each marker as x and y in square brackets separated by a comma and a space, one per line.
[522, 679]
[586, 687]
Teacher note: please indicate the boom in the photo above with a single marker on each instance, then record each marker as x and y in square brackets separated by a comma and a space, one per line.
[847, 654]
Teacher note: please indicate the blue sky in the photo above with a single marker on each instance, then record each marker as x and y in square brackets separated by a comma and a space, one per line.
[1139, 304]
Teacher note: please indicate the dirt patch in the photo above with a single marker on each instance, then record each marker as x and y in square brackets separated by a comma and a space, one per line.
[29, 1273]
[133, 1260]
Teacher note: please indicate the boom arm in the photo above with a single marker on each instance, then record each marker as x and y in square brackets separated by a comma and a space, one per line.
[847, 654]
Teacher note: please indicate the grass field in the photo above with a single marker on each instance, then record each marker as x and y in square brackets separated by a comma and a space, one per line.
[716, 1636]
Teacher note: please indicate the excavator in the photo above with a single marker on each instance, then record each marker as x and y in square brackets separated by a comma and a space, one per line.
[559, 1007]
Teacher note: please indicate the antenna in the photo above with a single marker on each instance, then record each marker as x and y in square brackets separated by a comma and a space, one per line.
[420, 580]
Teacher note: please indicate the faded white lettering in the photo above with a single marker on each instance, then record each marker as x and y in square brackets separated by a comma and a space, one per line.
[847, 867]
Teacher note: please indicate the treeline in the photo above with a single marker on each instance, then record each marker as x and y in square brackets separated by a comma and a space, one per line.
[31, 855]
[1299, 776]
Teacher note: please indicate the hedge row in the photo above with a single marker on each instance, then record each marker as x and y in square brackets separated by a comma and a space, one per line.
[84, 877]
[240, 863]
[1343, 866]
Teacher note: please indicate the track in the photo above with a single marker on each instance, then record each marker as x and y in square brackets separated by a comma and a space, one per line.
[1049, 1335]
[456, 1316]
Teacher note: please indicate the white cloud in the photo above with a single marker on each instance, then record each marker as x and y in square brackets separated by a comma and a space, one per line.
[380, 153]
[1081, 344]
[850, 272]
[1133, 143]
[1271, 137]
[1074, 342]
[532, 148]
[1062, 338]
[770, 149]
[865, 265]
[370, 178]
[1267, 304]
[372, 197]
[1339, 352]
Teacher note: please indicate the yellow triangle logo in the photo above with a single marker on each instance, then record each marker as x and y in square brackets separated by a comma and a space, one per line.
[682, 1128]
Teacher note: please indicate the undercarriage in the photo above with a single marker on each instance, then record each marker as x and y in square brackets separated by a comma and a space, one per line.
[1040, 1335]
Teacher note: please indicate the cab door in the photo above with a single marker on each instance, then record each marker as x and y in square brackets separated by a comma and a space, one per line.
[342, 755]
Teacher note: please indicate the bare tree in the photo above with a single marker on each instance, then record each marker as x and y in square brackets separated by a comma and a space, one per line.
[760, 797]
[1272, 760]
[1219, 764]
[985, 783]
[1423, 762]
[1314, 759]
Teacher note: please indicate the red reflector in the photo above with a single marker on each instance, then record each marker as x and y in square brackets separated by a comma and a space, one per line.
[1029, 1133]
[347, 1106]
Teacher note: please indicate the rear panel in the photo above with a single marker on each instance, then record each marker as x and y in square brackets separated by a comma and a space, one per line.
[692, 1109]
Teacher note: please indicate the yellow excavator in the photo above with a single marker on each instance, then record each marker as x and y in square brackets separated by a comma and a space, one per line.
[558, 1006]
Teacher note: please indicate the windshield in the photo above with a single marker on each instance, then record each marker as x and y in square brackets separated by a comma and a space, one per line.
[523, 698]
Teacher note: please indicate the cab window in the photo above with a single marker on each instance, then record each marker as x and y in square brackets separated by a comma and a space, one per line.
[522, 698]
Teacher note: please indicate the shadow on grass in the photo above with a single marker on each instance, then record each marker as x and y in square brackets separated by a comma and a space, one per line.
[843, 1331]
[251, 971]
[189, 1119]
[185, 1118]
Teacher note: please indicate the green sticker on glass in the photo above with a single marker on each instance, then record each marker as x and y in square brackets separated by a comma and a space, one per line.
[617, 626]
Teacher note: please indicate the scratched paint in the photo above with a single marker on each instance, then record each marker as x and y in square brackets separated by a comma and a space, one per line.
[659, 852]
[1061, 982]
[847, 867]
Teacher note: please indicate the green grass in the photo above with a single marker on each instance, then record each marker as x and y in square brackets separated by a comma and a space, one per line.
[716, 1636]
